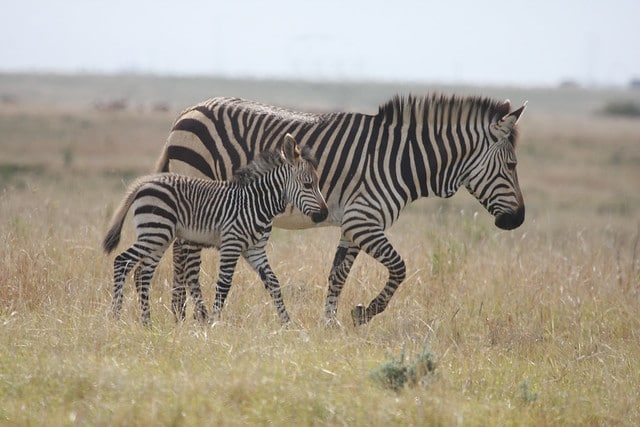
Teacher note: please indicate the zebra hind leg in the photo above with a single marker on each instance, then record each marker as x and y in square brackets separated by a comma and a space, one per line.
[257, 258]
[143, 276]
[122, 265]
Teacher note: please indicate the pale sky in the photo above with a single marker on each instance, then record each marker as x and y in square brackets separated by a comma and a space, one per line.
[505, 42]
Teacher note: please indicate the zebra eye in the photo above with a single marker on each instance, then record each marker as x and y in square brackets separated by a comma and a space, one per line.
[511, 166]
[307, 185]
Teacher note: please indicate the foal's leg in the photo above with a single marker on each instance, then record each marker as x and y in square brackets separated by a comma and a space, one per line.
[149, 259]
[193, 260]
[122, 265]
[257, 258]
[143, 276]
[229, 255]
[178, 289]
[186, 267]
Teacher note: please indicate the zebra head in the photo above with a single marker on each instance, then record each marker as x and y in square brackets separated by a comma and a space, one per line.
[493, 179]
[303, 190]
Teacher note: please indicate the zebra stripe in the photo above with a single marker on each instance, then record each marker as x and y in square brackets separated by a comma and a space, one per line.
[236, 217]
[370, 167]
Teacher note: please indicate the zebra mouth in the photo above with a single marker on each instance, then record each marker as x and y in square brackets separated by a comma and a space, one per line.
[510, 220]
[320, 216]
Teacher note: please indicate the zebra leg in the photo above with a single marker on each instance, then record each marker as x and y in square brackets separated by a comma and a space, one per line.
[192, 279]
[228, 259]
[257, 258]
[122, 265]
[371, 238]
[143, 276]
[346, 254]
[178, 290]
[186, 270]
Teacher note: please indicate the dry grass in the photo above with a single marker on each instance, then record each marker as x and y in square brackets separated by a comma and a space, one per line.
[538, 326]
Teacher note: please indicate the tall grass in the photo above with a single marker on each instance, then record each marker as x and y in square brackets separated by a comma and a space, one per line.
[537, 326]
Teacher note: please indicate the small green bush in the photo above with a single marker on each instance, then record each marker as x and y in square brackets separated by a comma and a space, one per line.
[396, 373]
[527, 395]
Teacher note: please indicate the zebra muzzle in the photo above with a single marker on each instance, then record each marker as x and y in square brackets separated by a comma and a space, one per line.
[320, 215]
[510, 220]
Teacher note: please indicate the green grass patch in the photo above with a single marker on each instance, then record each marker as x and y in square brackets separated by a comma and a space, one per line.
[399, 372]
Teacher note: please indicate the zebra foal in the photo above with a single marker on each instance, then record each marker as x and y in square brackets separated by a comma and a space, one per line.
[235, 217]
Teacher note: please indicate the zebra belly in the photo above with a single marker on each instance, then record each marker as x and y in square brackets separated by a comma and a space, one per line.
[293, 219]
[209, 238]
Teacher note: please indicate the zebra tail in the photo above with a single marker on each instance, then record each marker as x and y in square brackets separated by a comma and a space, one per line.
[112, 238]
[162, 165]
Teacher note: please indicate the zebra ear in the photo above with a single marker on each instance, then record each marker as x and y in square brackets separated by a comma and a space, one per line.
[290, 149]
[503, 127]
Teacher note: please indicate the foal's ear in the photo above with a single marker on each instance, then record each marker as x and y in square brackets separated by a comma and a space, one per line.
[290, 149]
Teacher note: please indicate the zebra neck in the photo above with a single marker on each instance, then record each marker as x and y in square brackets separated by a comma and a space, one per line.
[431, 142]
[434, 161]
[430, 162]
[267, 194]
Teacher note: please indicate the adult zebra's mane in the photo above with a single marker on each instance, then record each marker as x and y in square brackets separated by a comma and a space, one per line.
[266, 161]
[453, 106]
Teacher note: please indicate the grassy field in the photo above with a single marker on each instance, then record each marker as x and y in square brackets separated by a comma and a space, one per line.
[537, 326]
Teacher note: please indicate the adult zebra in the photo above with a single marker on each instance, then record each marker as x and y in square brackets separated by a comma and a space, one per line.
[370, 168]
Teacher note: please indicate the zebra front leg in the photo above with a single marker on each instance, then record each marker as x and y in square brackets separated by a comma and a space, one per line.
[189, 257]
[178, 290]
[228, 260]
[122, 265]
[374, 242]
[199, 309]
[257, 258]
[346, 254]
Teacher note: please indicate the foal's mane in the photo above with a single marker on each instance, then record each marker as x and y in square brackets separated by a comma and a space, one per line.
[265, 162]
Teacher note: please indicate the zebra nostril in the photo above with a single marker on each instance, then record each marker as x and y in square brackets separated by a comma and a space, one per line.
[320, 216]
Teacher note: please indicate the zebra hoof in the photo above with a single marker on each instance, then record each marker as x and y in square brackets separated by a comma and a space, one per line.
[359, 315]
[214, 323]
[332, 323]
[214, 320]
[201, 316]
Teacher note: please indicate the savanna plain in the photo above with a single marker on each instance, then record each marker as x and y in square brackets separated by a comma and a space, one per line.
[535, 326]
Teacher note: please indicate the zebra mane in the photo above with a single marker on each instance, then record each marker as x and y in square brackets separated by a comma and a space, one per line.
[263, 163]
[398, 104]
